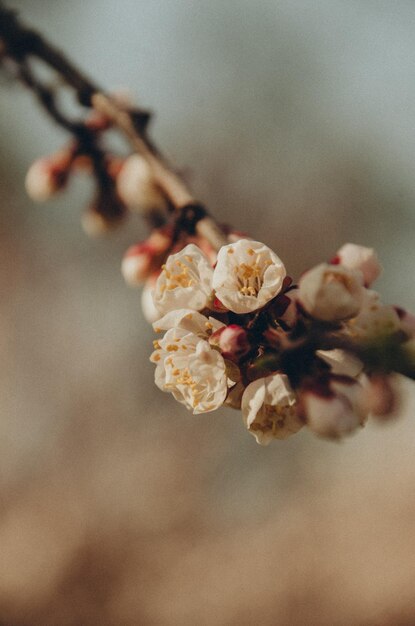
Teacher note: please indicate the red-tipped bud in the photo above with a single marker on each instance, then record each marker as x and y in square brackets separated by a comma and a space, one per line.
[233, 342]
[46, 176]
[137, 263]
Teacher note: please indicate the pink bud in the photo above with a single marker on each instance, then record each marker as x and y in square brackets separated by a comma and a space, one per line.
[137, 264]
[361, 259]
[233, 342]
[45, 177]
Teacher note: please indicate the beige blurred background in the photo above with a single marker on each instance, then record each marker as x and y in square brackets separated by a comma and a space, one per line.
[294, 120]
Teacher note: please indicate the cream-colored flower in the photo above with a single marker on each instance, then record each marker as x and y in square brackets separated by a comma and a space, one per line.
[191, 370]
[374, 318]
[362, 259]
[184, 282]
[269, 409]
[331, 292]
[247, 275]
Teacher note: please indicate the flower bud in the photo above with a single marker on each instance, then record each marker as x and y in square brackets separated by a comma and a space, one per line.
[233, 342]
[137, 264]
[331, 292]
[94, 224]
[136, 186]
[361, 259]
[45, 178]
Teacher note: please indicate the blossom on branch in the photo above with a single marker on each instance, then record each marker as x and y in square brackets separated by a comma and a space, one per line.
[359, 258]
[185, 281]
[331, 293]
[247, 275]
[191, 370]
[269, 409]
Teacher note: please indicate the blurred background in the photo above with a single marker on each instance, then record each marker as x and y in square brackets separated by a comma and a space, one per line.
[294, 122]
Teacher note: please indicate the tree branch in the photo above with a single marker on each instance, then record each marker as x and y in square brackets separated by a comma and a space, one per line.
[21, 43]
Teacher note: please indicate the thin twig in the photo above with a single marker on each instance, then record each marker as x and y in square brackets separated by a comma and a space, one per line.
[21, 43]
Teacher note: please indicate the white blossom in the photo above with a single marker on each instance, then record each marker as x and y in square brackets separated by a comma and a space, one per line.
[331, 292]
[247, 275]
[269, 409]
[191, 370]
[361, 259]
[184, 282]
[136, 186]
[338, 412]
[374, 318]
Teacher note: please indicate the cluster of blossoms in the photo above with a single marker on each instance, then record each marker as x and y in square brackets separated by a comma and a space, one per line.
[323, 353]
[238, 332]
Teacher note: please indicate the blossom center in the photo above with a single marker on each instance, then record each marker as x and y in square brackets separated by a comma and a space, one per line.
[272, 418]
[249, 277]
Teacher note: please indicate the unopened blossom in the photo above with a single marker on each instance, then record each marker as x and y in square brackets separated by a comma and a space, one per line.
[185, 281]
[191, 370]
[233, 342]
[94, 224]
[136, 186]
[137, 264]
[360, 258]
[141, 259]
[269, 409]
[374, 318]
[45, 178]
[247, 275]
[335, 411]
[331, 293]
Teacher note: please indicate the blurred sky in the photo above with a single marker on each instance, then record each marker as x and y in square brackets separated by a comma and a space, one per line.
[295, 122]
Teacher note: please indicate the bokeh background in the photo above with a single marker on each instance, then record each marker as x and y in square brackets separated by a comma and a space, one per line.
[294, 120]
